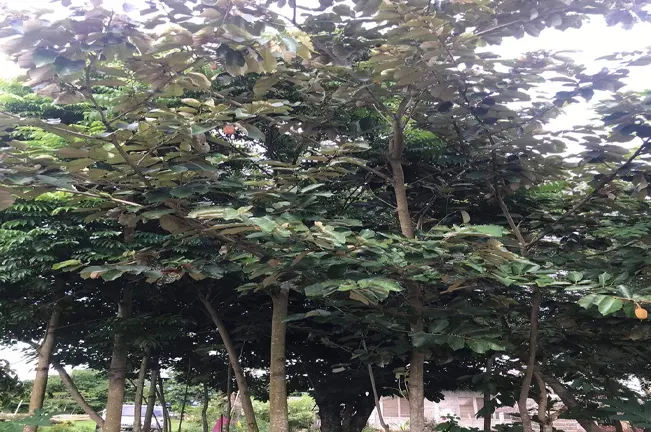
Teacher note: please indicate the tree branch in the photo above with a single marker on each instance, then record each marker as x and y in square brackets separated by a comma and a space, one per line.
[606, 180]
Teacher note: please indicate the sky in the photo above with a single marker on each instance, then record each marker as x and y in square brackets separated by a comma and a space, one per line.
[590, 42]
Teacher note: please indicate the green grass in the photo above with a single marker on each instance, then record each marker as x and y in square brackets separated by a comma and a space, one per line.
[89, 426]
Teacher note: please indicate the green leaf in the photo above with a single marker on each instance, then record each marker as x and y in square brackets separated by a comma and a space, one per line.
[482, 345]
[44, 56]
[609, 305]
[574, 276]
[67, 263]
[264, 223]
[438, 326]
[604, 277]
[586, 302]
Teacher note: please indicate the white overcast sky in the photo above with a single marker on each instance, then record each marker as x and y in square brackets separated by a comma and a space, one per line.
[593, 40]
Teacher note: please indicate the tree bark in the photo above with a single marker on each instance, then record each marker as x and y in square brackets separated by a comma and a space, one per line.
[151, 398]
[229, 402]
[330, 416]
[376, 397]
[570, 402]
[76, 395]
[167, 426]
[278, 416]
[118, 368]
[417, 362]
[204, 409]
[43, 366]
[140, 388]
[546, 422]
[242, 384]
[487, 394]
[531, 362]
[185, 398]
[352, 418]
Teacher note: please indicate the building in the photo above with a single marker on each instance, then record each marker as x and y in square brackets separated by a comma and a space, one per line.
[462, 404]
[128, 416]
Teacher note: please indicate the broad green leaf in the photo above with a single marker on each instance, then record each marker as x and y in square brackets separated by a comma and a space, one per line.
[67, 263]
[609, 305]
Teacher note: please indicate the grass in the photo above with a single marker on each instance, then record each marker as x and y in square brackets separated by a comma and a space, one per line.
[89, 426]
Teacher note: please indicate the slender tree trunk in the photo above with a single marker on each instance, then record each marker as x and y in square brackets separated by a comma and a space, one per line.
[118, 367]
[43, 366]
[185, 397]
[76, 395]
[376, 398]
[279, 421]
[242, 385]
[140, 389]
[570, 402]
[204, 409]
[151, 397]
[167, 426]
[185, 394]
[229, 402]
[487, 394]
[531, 362]
[414, 292]
[546, 422]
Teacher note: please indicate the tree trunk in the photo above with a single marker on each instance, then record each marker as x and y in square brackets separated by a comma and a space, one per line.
[353, 417]
[531, 362]
[151, 398]
[185, 400]
[417, 363]
[204, 409]
[570, 402]
[330, 416]
[376, 397]
[279, 421]
[487, 394]
[140, 388]
[76, 395]
[118, 367]
[242, 385]
[229, 402]
[167, 426]
[42, 367]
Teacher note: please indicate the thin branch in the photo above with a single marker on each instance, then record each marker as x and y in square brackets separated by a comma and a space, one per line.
[531, 362]
[514, 228]
[376, 397]
[609, 178]
[102, 195]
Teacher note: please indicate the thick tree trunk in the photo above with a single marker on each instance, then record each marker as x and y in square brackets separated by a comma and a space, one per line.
[531, 362]
[279, 421]
[353, 417]
[140, 388]
[242, 384]
[43, 366]
[151, 398]
[204, 409]
[76, 395]
[118, 368]
[330, 416]
[570, 402]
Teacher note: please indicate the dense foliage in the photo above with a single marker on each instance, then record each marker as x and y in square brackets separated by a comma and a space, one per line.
[347, 194]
